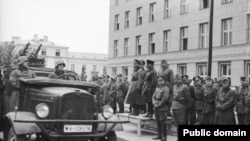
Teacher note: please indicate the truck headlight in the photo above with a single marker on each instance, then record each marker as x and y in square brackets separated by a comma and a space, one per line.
[107, 112]
[42, 110]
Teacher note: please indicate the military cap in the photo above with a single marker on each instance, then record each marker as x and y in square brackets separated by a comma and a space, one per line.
[184, 76]
[150, 62]
[224, 79]
[119, 75]
[21, 60]
[196, 78]
[137, 61]
[60, 62]
[164, 61]
[243, 78]
[177, 77]
[142, 62]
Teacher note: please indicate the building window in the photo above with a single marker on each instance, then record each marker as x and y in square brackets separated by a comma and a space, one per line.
[184, 38]
[117, 22]
[166, 41]
[225, 69]
[151, 43]
[114, 71]
[226, 32]
[117, 2]
[116, 48]
[204, 39]
[184, 6]
[139, 16]
[182, 69]
[58, 52]
[126, 44]
[204, 4]
[202, 70]
[127, 19]
[125, 72]
[104, 70]
[166, 9]
[138, 45]
[73, 67]
[44, 52]
[226, 1]
[248, 28]
[247, 68]
[152, 12]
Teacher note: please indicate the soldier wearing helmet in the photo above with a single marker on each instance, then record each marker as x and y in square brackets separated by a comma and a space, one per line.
[60, 65]
[22, 71]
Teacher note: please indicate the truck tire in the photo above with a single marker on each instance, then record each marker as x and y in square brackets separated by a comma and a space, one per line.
[13, 137]
[111, 136]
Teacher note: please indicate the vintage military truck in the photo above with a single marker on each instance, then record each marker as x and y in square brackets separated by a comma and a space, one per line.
[54, 109]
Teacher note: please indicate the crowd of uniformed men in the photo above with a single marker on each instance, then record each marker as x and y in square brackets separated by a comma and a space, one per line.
[161, 93]
[189, 101]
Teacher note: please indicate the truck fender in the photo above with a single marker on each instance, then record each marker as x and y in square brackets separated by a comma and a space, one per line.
[23, 128]
[101, 126]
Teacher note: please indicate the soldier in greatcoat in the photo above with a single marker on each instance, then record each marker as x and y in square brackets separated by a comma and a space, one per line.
[142, 72]
[179, 105]
[243, 102]
[134, 95]
[208, 111]
[121, 90]
[199, 96]
[224, 102]
[190, 112]
[149, 86]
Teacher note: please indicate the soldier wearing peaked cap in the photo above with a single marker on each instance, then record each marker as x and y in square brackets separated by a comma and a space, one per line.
[149, 86]
[208, 111]
[243, 102]
[121, 90]
[199, 96]
[134, 96]
[224, 103]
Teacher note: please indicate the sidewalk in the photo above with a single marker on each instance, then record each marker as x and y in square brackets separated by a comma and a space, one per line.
[129, 134]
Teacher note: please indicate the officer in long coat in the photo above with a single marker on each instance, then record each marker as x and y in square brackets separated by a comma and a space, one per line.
[179, 105]
[224, 102]
[243, 102]
[142, 72]
[121, 90]
[199, 96]
[208, 111]
[149, 86]
[190, 112]
[134, 95]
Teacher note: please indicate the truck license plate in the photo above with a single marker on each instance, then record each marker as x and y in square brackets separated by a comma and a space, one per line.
[77, 128]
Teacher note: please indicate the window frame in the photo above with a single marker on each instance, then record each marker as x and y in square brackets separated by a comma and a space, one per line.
[139, 16]
[248, 28]
[116, 42]
[151, 42]
[114, 71]
[199, 65]
[166, 41]
[179, 66]
[204, 35]
[72, 66]
[152, 12]
[229, 32]
[58, 53]
[167, 10]
[186, 4]
[117, 25]
[229, 70]
[127, 14]
[182, 35]
[44, 52]
[226, 1]
[126, 46]
[202, 4]
[138, 44]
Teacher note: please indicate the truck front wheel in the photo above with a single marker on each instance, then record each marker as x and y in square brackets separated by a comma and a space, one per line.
[111, 136]
[13, 137]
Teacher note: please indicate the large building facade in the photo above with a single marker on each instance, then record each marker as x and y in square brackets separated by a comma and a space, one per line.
[178, 31]
[87, 64]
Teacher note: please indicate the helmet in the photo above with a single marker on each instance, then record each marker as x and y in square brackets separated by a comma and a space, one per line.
[59, 63]
[21, 60]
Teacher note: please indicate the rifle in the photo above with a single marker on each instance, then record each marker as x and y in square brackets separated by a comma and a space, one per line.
[25, 49]
[35, 53]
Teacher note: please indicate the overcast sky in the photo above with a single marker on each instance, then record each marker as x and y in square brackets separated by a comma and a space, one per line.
[82, 25]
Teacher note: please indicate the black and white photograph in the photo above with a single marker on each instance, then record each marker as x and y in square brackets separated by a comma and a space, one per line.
[124, 70]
